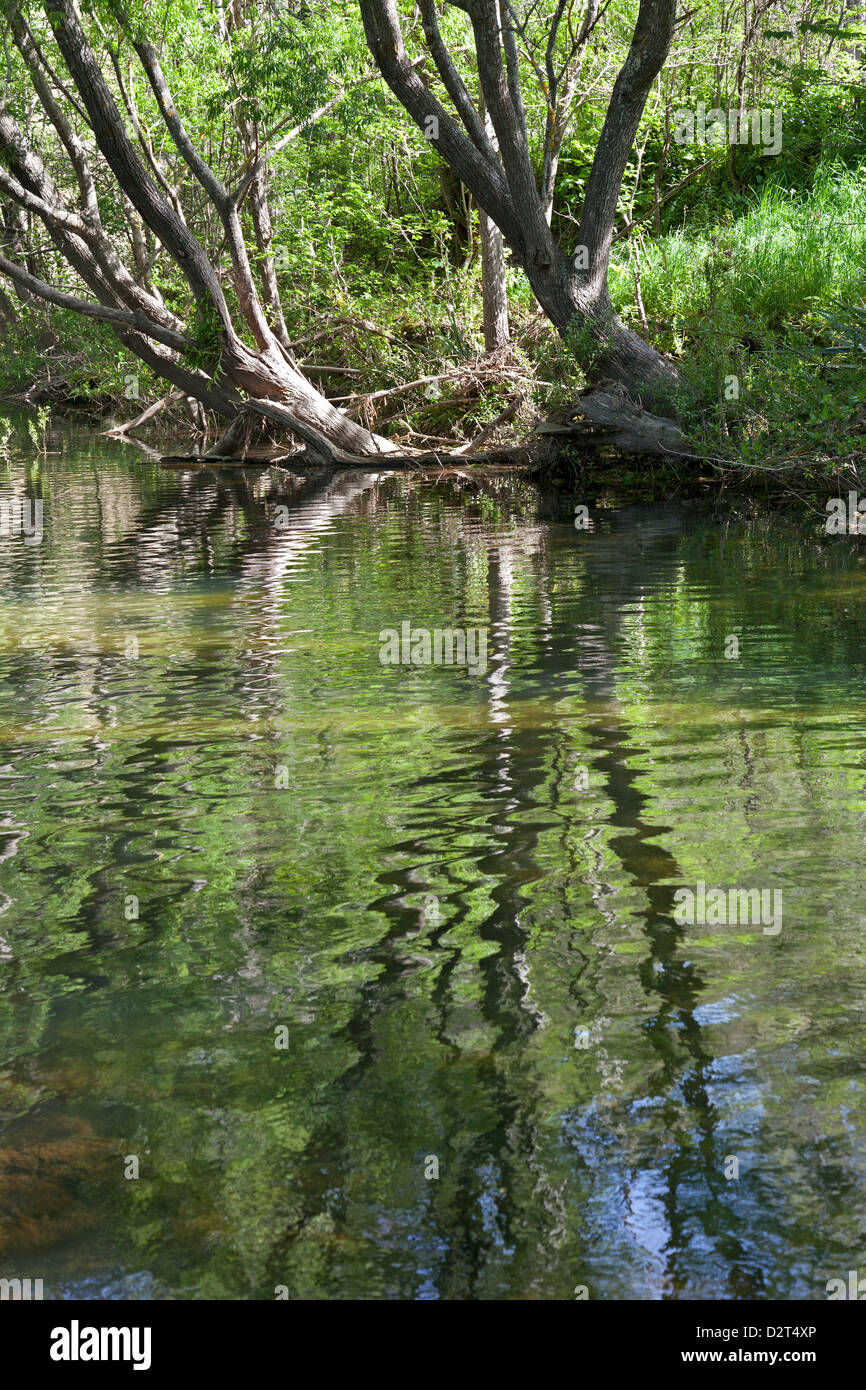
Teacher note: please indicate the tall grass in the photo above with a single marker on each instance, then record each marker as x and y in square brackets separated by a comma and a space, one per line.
[758, 299]
[791, 254]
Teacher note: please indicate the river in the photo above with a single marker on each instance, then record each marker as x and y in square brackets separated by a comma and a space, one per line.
[327, 976]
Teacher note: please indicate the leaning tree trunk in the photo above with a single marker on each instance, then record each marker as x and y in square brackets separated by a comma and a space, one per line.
[571, 290]
[210, 362]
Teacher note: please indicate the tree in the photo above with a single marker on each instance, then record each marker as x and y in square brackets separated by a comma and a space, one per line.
[201, 351]
[572, 291]
[494, 292]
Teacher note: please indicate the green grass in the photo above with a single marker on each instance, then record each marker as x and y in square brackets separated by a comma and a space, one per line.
[769, 299]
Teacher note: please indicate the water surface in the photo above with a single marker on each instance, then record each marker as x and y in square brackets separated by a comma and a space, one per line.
[225, 824]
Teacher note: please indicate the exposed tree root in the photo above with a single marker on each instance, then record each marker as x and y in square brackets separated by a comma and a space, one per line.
[607, 418]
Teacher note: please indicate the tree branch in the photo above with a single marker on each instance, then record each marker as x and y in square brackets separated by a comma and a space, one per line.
[104, 312]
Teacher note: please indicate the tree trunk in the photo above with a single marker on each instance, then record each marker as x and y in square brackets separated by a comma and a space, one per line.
[574, 298]
[493, 291]
[137, 315]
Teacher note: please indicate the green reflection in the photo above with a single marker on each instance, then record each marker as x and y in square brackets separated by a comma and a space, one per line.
[455, 893]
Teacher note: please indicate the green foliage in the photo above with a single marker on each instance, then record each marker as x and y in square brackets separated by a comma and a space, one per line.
[207, 337]
[38, 429]
[741, 259]
[770, 299]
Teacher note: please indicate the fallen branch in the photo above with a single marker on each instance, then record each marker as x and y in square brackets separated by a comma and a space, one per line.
[456, 374]
[366, 324]
[119, 430]
[331, 370]
[507, 414]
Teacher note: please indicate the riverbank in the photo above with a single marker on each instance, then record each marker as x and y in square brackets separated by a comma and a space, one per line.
[565, 471]
[762, 311]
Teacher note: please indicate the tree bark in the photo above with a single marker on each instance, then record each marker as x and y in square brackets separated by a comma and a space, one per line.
[493, 292]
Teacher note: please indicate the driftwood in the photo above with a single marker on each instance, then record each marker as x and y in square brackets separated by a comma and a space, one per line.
[422, 461]
[609, 419]
[224, 460]
[507, 414]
